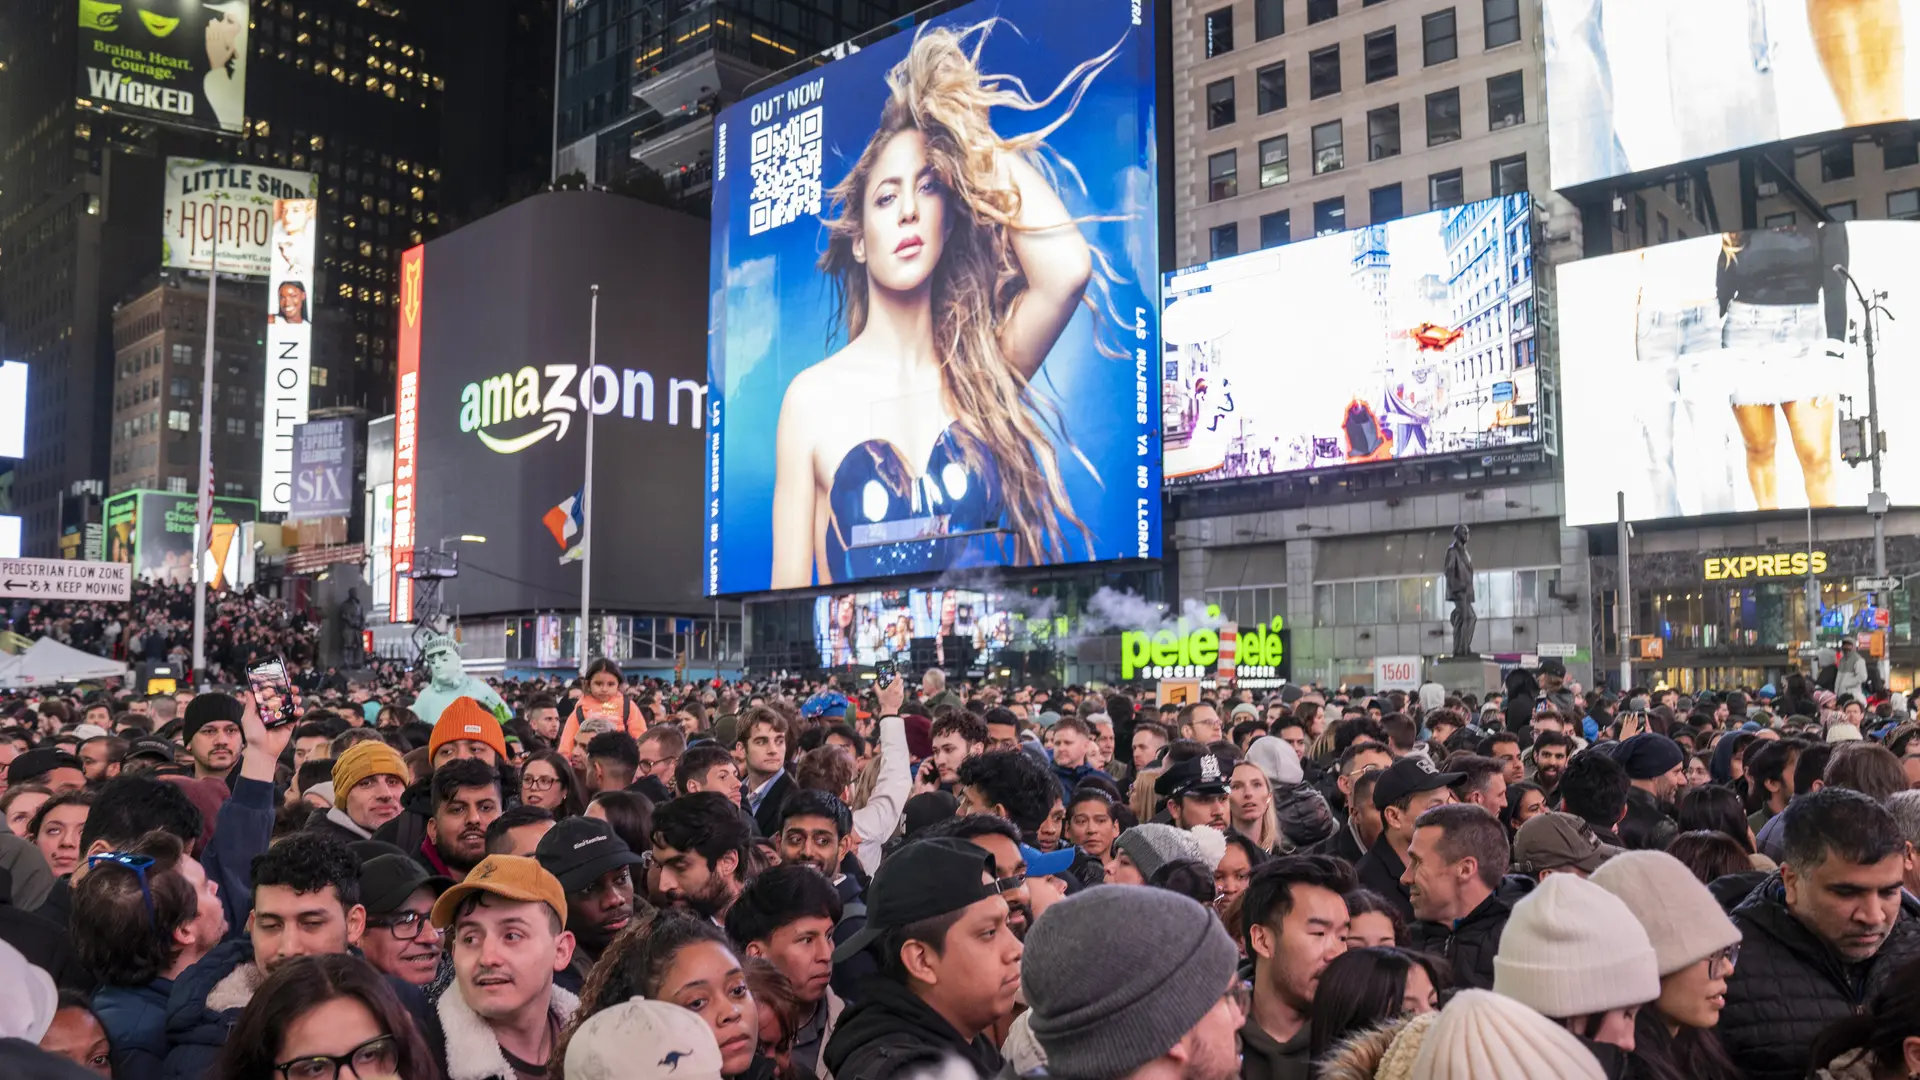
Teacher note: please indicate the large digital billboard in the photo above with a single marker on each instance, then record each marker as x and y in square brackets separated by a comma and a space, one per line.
[864, 627]
[493, 391]
[1634, 85]
[178, 62]
[13, 409]
[934, 314]
[153, 530]
[1709, 376]
[292, 294]
[211, 205]
[1394, 341]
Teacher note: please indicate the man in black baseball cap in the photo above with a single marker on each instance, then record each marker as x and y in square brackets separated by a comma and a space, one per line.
[147, 752]
[596, 869]
[1196, 791]
[949, 966]
[398, 894]
[57, 769]
[1408, 788]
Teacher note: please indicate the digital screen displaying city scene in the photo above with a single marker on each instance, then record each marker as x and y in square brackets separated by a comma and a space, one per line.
[908, 377]
[1408, 339]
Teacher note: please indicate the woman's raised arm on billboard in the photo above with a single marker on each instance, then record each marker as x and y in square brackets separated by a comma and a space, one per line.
[1055, 259]
[794, 494]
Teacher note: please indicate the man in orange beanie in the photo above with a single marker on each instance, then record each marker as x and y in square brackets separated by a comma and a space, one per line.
[466, 730]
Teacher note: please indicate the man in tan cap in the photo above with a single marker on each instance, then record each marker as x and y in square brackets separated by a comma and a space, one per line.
[502, 1015]
[1556, 843]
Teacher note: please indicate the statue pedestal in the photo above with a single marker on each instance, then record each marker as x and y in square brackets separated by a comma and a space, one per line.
[1466, 674]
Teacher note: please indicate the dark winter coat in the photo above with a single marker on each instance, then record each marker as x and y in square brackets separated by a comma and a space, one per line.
[135, 1020]
[1646, 827]
[1380, 869]
[1305, 818]
[893, 1033]
[205, 1003]
[1789, 986]
[1468, 945]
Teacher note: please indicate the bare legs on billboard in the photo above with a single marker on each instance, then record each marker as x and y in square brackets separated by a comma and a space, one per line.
[1810, 425]
[1862, 46]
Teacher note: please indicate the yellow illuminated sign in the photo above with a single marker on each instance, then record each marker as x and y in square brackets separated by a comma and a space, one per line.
[1782, 564]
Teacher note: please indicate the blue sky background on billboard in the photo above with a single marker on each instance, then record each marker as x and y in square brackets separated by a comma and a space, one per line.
[1393, 341]
[1684, 377]
[1641, 84]
[919, 480]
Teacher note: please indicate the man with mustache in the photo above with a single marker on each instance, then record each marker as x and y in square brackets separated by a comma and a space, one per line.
[466, 799]
[595, 867]
[700, 849]
[1551, 749]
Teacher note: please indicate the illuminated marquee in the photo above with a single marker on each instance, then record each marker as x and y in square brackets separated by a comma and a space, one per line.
[1780, 564]
[1259, 654]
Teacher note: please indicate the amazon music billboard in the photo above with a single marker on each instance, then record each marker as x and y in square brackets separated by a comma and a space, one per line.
[494, 387]
[1401, 340]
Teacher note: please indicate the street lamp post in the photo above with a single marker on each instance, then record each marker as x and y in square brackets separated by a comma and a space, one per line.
[1873, 305]
[203, 510]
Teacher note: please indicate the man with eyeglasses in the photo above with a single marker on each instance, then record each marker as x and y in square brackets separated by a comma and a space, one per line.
[596, 869]
[400, 940]
[660, 750]
[1360, 825]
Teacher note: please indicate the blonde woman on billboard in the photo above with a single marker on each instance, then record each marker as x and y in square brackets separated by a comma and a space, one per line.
[956, 266]
[1785, 324]
[292, 248]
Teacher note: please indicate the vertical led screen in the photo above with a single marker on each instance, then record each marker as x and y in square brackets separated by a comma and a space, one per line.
[1712, 374]
[290, 298]
[1635, 85]
[933, 312]
[1394, 341]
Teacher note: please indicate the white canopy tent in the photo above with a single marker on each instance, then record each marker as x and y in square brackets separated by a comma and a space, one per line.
[48, 662]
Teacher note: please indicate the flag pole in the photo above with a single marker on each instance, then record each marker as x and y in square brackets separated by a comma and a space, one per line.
[203, 511]
[586, 488]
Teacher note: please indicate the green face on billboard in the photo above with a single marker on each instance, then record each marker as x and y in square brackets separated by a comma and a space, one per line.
[176, 62]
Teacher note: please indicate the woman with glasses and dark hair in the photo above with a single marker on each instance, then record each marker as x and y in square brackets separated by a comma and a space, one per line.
[548, 781]
[326, 1017]
[141, 917]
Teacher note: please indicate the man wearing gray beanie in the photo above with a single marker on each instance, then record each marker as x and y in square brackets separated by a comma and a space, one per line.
[1108, 1005]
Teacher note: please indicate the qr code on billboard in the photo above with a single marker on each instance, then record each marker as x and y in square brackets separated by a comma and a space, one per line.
[786, 172]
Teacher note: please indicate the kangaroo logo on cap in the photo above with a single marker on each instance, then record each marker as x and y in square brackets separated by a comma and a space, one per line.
[673, 1059]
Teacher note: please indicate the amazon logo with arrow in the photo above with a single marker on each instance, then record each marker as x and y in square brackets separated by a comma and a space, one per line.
[515, 410]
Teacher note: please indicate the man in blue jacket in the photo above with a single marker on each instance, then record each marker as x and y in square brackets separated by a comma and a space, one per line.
[306, 902]
[1072, 743]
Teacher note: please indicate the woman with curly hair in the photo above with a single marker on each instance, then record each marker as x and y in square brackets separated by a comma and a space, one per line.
[956, 267]
[686, 961]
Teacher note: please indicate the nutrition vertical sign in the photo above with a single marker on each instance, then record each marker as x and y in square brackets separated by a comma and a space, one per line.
[290, 301]
[178, 62]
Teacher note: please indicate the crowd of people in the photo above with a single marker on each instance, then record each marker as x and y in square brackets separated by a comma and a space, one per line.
[778, 880]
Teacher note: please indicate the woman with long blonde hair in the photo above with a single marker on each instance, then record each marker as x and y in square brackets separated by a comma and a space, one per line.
[956, 266]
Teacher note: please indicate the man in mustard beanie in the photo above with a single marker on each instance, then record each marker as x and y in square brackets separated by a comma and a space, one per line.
[368, 781]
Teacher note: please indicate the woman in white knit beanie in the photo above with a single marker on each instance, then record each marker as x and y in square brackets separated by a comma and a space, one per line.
[1575, 954]
[1696, 945]
[1485, 1036]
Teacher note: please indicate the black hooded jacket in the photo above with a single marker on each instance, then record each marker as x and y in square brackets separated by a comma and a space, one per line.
[891, 1032]
[1468, 945]
[1789, 986]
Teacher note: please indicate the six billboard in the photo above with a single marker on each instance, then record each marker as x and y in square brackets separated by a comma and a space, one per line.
[291, 296]
[1710, 374]
[178, 62]
[323, 468]
[1393, 341]
[212, 205]
[1635, 85]
[931, 348]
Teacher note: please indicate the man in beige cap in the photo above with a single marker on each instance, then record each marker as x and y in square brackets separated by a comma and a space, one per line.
[502, 1016]
[1556, 843]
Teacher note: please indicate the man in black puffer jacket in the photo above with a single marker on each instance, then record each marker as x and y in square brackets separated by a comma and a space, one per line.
[1454, 869]
[1822, 937]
